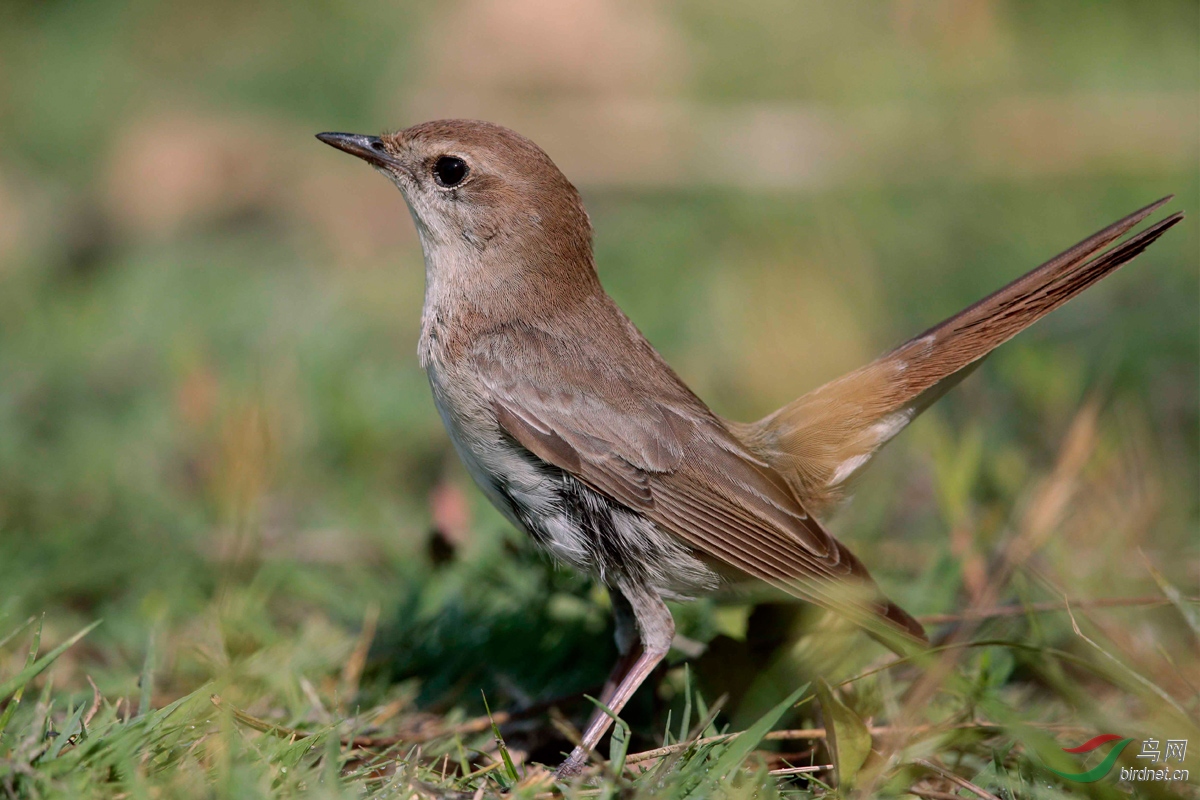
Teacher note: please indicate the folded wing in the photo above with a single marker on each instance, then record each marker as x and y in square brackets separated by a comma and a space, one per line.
[658, 450]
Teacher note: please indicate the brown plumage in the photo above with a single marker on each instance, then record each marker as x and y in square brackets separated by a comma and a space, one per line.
[843, 423]
[578, 430]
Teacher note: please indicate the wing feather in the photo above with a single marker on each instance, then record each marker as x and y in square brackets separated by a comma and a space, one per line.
[658, 450]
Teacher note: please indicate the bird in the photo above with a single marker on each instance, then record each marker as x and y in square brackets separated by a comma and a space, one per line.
[583, 436]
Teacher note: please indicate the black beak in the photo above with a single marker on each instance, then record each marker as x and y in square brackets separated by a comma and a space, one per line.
[368, 148]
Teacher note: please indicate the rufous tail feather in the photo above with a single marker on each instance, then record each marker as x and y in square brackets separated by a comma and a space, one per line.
[826, 437]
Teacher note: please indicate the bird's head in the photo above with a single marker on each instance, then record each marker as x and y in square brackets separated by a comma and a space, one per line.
[484, 198]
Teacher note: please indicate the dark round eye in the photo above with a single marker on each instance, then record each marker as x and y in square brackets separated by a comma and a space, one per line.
[450, 171]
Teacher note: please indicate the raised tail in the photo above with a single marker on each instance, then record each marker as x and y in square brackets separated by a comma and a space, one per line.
[820, 441]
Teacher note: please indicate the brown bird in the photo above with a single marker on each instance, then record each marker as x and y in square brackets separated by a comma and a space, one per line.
[583, 436]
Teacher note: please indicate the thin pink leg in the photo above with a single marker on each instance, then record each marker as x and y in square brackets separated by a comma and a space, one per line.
[622, 667]
[598, 725]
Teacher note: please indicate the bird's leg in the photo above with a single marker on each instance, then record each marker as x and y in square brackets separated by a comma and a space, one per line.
[624, 663]
[629, 645]
[655, 629]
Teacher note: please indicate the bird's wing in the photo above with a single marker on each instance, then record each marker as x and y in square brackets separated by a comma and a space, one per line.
[647, 443]
[822, 440]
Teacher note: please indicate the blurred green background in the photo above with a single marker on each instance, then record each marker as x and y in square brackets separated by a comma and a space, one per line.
[212, 420]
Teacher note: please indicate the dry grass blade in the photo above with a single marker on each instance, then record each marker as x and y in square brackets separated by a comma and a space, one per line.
[1042, 608]
[693, 739]
[820, 733]
[96, 700]
[659, 752]
[933, 794]
[963, 782]
[801, 770]
[257, 724]
[1138, 678]
[1049, 503]
[475, 725]
[352, 671]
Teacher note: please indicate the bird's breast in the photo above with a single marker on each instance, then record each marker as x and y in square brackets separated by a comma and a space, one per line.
[506, 472]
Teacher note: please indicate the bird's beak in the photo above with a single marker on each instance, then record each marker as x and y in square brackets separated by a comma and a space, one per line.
[368, 148]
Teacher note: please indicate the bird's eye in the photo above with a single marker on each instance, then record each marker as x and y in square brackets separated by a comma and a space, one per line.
[449, 171]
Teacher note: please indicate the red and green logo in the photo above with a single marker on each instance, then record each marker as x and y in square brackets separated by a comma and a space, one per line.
[1104, 767]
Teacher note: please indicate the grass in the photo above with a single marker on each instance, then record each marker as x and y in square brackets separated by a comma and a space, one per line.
[296, 705]
[239, 559]
[203, 745]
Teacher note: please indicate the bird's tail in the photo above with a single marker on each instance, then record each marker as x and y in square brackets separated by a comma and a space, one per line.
[821, 440]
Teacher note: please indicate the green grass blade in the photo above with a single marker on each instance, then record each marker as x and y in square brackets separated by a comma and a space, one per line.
[10, 686]
[146, 682]
[64, 736]
[510, 769]
[706, 727]
[17, 632]
[464, 765]
[1187, 609]
[619, 745]
[741, 745]
[849, 738]
[685, 721]
[11, 709]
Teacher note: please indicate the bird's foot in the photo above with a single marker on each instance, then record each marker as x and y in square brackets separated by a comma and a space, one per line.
[573, 765]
